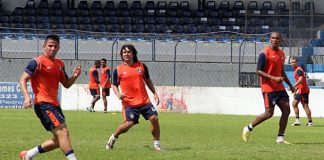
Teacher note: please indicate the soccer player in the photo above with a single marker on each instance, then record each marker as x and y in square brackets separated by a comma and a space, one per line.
[94, 85]
[105, 82]
[45, 72]
[130, 77]
[270, 69]
[301, 94]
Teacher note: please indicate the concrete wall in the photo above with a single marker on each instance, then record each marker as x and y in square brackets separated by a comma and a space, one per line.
[210, 100]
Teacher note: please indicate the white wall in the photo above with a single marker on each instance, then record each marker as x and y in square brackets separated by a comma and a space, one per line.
[210, 100]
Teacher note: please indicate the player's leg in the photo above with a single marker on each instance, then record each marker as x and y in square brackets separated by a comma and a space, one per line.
[96, 96]
[105, 93]
[268, 113]
[62, 134]
[149, 113]
[308, 112]
[131, 116]
[295, 102]
[283, 104]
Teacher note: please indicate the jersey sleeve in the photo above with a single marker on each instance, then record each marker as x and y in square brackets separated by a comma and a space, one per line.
[261, 62]
[300, 73]
[108, 73]
[115, 78]
[146, 72]
[31, 68]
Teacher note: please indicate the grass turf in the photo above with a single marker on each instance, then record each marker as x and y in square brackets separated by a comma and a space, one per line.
[183, 136]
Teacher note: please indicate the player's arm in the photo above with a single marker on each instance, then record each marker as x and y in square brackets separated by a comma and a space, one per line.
[115, 86]
[96, 76]
[261, 66]
[300, 77]
[25, 77]
[69, 81]
[150, 85]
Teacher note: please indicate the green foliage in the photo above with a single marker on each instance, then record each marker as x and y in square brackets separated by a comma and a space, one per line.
[183, 136]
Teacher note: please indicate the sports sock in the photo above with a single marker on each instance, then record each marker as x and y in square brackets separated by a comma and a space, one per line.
[156, 143]
[35, 151]
[70, 155]
[250, 127]
[281, 135]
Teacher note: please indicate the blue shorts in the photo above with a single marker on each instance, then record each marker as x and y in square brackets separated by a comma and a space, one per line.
[303, 98]
[133, 113]
[95, 92]
[273, 98]
[50, 116]
[105, 92]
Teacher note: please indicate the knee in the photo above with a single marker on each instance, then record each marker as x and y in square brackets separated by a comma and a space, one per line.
[154, 118]
[269, 115]
[128, 124]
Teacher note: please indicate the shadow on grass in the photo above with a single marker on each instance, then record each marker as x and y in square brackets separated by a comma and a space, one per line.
[170, 148]
[309, 143]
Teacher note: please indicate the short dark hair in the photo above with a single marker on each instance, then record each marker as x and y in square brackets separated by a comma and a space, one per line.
[103, 59]
[132, 49]
[53, 37]
[294, 58]
[97, 62]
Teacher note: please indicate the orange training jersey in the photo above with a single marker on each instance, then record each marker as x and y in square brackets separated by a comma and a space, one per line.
[104, 77]
[273, 66]
[45, 80]
[93, 84]
[302, 87]
[131, 82]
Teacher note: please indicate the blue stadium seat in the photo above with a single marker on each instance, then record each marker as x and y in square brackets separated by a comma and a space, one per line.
[96, 5]
[266, 8]
[201, 20]
[111, 20]
[109, 9]
[71, 12]
[98, 20]
[198, 13]
[84, 20]
[4, 19]
[136, 9]
[252, 8]
[191, 28]
[29, 11]
[138, 28]
[176, 28]
[149, 8]
[96, 12]
[173, 20]
[281, 8]
[214, 21]
[125, 20]
[29, 19]
[238, 9]
[162, 28]
[173, 8]
[295, 8]
[161, 8]
[43, 4]
[309, 8]
[83, 5]
[160, 20]
[149, 20]
[185, 9]
[5, 23]
[99, 28]
[30, 4]
[126, 28]
[187, 20]
[18, 11]
[56, 5]
[16, 19]
[114, 28]
[42, 19]
[70, 20]
[122, 9]
[224, 9]
[138, 20]
[56, 12]
[149, 28]
[203, 29]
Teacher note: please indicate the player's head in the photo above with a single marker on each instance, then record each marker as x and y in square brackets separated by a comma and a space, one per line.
[275, 40]
[51, 46]
[97, 64]
[103, 62]
[294, 62]
[128, 53]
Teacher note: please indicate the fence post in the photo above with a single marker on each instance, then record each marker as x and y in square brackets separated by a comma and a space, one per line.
[175, 60]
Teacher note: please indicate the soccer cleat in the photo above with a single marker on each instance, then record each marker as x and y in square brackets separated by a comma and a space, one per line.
[281, 140]
[89, 109]
[157, 147]
[105, 111]
[110, 143]
[246, 134]
[309, 124]
[296, 123]
[22, 155]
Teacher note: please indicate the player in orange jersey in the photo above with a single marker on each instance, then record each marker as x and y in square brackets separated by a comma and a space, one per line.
[301, 94]
[45, 73]
[105, 82]
[130, 77]
[270, 69]
[94, 85]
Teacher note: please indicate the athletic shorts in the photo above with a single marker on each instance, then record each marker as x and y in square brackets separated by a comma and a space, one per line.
[303, 98]
[105, 92]
[95, 92]
[50, 116]
[133, 113]
[273, 98]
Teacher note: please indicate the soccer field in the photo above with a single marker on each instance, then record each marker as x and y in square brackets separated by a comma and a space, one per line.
[183, 136]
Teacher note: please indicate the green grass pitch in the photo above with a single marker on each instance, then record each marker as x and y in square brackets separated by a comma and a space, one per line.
[183, 136]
